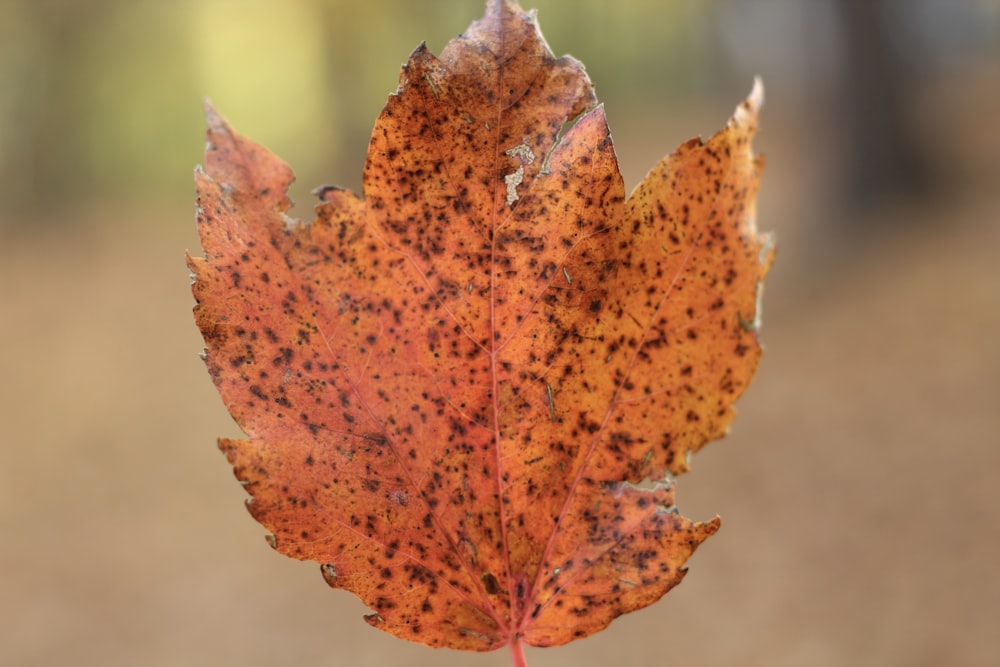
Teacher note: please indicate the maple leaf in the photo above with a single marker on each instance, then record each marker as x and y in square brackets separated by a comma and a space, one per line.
[454, 387]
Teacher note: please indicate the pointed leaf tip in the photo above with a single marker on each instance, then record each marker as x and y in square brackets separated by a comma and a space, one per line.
[213, 118]
[748, 110]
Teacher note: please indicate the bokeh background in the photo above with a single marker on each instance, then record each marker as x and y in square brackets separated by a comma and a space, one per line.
[858, 488]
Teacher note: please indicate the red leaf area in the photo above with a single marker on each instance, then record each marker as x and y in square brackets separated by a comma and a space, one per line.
[453, 387]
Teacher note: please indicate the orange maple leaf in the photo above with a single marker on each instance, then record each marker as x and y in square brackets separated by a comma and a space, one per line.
[453, 388]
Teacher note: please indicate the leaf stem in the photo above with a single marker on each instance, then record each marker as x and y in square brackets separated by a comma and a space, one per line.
[517, 652]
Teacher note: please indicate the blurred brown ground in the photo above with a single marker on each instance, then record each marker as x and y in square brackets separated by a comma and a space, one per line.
[857, 489]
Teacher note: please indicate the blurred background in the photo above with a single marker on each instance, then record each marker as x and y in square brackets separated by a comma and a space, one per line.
[857, 489]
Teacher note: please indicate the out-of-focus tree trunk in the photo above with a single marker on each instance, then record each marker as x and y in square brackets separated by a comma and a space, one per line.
[43, 161]
[883, 159]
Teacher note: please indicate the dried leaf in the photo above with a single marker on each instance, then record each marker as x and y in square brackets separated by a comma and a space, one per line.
[453, 388]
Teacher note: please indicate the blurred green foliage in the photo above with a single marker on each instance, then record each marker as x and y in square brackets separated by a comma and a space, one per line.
[101, 99]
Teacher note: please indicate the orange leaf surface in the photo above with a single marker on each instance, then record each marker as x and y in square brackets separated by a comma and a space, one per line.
[453, 388]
